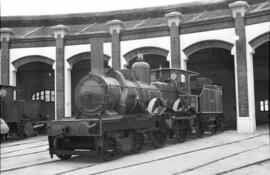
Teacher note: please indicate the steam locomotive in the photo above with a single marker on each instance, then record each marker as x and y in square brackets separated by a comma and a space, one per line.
[122, 110]
[13, 120]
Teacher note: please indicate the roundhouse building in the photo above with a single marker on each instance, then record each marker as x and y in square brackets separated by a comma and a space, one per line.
[226, 41]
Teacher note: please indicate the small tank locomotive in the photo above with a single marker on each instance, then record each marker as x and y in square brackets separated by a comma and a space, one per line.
[11, 111]
[122, 110]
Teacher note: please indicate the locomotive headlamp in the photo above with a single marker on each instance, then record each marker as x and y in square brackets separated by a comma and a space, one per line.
[173, 76]
[3, 93]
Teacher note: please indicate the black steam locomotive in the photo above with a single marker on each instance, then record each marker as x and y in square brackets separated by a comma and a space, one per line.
[121, 111]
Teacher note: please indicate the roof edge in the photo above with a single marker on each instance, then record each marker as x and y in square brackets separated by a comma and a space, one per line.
[124, 15]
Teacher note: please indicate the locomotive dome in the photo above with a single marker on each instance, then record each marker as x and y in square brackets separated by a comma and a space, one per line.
[142, 69]
[140, 64]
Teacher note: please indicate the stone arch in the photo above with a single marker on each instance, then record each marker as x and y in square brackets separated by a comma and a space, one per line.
[34, 73]
[207, 44]
[33, 58]
[259, 40]
[83, 56]
[145, 50]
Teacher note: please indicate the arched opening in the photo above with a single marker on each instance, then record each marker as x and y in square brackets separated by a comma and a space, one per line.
[155, 61]
[217, 64]
[261, 82]
[35, 78]
[81, 66]
[154, 56]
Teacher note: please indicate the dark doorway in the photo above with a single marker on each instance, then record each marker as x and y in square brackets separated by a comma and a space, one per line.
[36, 81]
[155, 61]
[261, 82]
[217, 64]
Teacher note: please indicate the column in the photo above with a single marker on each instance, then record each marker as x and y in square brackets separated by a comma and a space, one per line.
[174, 19]
[97, 58]
[5, 60]
[115, 27]
[245, 122]
[13, 80]
[184, 60]
[251, 89]
[68, 92]
[59, 34]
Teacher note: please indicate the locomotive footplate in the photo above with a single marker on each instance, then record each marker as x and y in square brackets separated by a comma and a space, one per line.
[82, 136]
[97, 126]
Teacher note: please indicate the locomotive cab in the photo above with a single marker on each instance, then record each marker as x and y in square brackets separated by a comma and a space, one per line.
[180, 77]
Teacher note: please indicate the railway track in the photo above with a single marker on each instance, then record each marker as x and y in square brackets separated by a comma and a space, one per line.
[31, 147]
[24, 143]
[245, 166]
[26, 154]
[135, 164]
[27, 166]
[166, 157]
[220, 159]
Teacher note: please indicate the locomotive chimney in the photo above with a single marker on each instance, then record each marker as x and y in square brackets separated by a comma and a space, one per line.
[142, 69]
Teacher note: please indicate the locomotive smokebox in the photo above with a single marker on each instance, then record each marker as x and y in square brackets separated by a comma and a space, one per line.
[142, 69]
[95, 93]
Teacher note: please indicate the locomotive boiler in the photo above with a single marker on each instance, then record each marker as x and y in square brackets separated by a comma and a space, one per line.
[122, 110]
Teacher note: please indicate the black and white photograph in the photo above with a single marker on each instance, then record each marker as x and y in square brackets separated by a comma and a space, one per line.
[144, 87]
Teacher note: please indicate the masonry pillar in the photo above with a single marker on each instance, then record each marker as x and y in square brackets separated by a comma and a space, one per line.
[115, 27]
[68, 92]
[174, 19]
[13, 79]
[97, 58]
[184, 63]
[5, 60]
[59, 33]
[245, 118]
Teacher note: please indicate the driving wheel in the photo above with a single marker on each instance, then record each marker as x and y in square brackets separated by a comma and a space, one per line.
[180, 129]
[107, 150]
[158, 138]
[59, 145]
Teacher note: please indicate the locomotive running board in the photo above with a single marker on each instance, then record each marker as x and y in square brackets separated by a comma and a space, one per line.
[67, 152]
[184, 118]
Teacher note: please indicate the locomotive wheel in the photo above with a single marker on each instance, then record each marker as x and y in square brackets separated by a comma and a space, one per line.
[219, 121]
[213, 130]
[58, 143]
[28, 129]
[63, 156]
[136, 148]
[138, 142]
[108, 149]
[180, 130]
[199, 129]
[158, 138]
